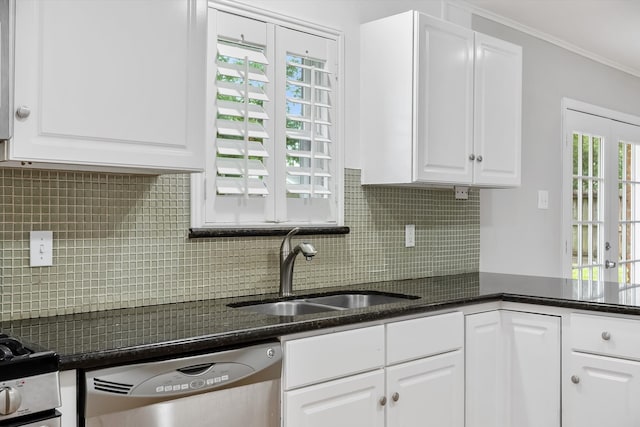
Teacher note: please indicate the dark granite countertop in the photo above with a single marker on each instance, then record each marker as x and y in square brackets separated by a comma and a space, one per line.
[106, 338]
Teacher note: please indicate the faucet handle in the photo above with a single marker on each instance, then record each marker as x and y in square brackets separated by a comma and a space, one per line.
[308, 250]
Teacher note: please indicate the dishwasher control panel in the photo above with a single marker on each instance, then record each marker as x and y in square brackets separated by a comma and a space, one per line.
[186, 375]
[178, 382]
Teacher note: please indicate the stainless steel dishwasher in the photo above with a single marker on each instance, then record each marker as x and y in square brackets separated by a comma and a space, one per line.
[239, 387]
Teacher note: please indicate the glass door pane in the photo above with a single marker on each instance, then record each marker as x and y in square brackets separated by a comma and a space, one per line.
[587, 206]
[628, 271]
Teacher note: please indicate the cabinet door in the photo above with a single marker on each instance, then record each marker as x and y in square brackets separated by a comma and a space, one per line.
[532, 345]
[111, 83]
[348, 402]
[428, 391]
[498, 106]
[513, 370]
[443, 102]
[601, 391]
[485, 386]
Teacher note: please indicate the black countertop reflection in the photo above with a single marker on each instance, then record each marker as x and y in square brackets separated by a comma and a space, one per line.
[107, 338]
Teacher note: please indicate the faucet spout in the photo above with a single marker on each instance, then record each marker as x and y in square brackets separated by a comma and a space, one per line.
[288, 258]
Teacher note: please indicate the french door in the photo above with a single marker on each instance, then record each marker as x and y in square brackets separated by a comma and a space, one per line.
[603, 157]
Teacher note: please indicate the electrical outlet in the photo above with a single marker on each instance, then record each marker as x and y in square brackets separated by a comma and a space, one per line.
[462, 193]
[409, 235]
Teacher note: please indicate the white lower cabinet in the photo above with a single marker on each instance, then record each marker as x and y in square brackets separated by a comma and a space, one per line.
[348, 402]
[601, 382]
[420, 383]
[428, 390]
[512, 369]
[601, 391]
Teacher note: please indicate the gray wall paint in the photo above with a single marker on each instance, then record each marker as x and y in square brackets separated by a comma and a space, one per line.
[515, 236]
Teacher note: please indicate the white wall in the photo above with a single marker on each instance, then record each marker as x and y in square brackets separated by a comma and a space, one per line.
[515, 236]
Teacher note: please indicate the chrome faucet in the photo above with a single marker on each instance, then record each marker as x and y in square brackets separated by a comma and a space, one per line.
[288, 257]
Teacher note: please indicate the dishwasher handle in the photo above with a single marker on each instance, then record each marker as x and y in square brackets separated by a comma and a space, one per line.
[196, 370]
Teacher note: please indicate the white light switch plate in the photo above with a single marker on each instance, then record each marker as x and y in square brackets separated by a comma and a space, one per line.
[41, 248]
[409, 235]
[543, 199]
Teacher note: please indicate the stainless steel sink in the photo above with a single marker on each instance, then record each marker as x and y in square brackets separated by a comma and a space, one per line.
[287, 308]
[322, 303]
[356, 300]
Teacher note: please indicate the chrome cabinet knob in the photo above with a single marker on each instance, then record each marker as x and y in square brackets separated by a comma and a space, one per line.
[575, 379]
[395, 396]
[383, 400]
[472, 156]
[23, 112]
[479, 158]
[10, 400]
[606, 336]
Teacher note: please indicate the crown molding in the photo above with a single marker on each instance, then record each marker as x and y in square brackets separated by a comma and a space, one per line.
[479, 11]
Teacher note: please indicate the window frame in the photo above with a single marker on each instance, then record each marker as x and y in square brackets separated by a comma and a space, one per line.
[199, 186]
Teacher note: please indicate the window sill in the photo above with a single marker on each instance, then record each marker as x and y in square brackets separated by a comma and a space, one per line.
[204, 233]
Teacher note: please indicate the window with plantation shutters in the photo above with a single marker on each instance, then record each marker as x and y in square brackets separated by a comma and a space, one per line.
[306, 133]
[240, 97]
[308, 123]
[274, 155]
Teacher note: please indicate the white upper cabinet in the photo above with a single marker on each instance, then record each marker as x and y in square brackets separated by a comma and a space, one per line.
[440, 104]
[443, 102]
[497, 107]
[110, 85]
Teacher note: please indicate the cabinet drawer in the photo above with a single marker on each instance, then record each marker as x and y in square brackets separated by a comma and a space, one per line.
[411, 339]
[325, 357]
[605, 335]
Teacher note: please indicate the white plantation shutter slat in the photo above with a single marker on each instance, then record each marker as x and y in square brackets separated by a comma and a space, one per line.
[307, 155]
[307, 189]
[238, 91]
[308, 103]
[235, 128]
[307, 172]
[236, 186]
[238, 109]
[308, 67]
[237, 71]
[236, 166]
[305, 119]
[308, 86]
[306, 136]
[241, 52]
[236, 147]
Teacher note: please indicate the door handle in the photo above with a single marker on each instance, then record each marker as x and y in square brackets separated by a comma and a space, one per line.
[609, 264]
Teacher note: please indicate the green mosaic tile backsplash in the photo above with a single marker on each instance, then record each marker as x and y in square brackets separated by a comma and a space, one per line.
[121, 241]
